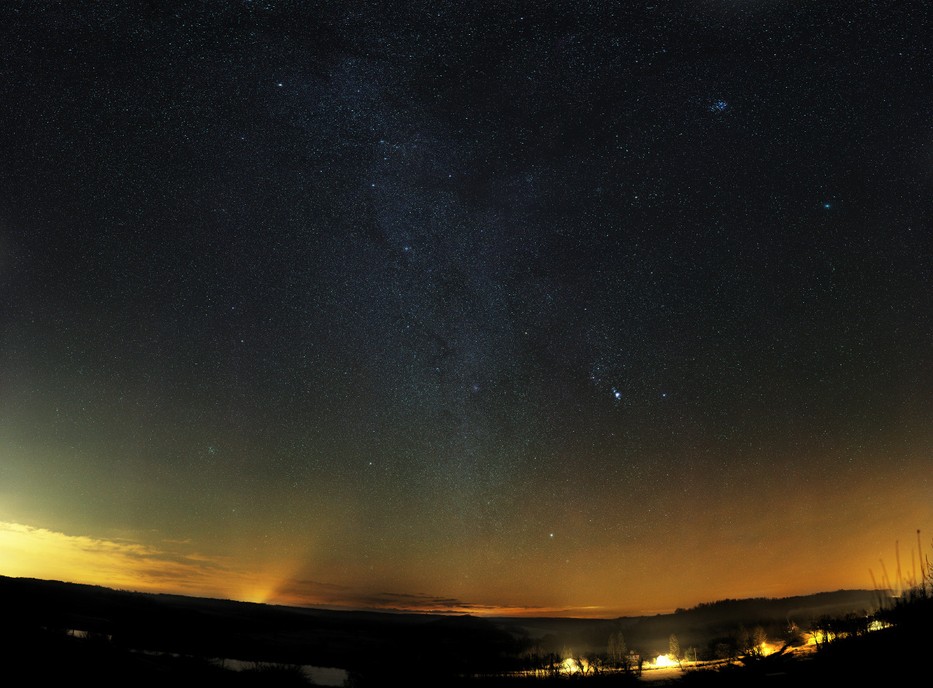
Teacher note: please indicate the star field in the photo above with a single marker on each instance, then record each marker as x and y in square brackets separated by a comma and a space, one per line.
[513, 304]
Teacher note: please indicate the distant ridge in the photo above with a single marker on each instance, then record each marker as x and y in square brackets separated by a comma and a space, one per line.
[821, 602]
[200, 625]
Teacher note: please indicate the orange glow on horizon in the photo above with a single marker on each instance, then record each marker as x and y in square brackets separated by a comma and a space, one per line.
[177, 567]
[33, 552]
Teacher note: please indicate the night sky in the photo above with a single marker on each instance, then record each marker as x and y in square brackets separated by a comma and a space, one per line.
[579, 308]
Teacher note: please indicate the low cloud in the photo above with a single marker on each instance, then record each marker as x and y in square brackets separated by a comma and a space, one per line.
[316, 593]
[27, 551]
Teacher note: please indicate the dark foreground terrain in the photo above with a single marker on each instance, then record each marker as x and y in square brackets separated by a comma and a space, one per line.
[58, 634]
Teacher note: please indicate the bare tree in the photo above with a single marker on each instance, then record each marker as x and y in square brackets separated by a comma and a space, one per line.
[759, 638]
[673, 647]
[618, 650]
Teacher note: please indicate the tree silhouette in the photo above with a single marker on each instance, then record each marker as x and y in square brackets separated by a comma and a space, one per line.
[673, 649]
[618, 650]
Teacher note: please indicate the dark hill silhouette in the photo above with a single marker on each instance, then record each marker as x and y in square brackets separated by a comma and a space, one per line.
[699, 625]
[38, 615]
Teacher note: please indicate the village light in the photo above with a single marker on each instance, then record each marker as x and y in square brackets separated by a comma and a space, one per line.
[573, 666]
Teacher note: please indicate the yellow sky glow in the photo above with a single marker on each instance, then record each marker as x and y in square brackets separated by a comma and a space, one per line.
[33, 552]
[27, 551]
